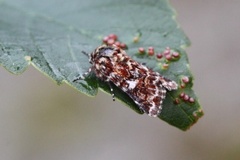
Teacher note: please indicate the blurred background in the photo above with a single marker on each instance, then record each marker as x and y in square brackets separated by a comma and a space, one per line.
[41, 120]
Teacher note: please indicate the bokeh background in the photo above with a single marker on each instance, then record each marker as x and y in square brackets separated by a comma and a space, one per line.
[41, 120]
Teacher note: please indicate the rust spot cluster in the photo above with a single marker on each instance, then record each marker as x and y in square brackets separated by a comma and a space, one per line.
[112, 40]
[184, 81]
[167, 56]
[168, 53]
[185, 97]
[198, 113]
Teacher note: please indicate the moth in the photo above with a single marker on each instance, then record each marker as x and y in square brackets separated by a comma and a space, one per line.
[146, 87]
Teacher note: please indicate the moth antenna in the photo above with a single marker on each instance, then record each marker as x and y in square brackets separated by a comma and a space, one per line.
[85, 53]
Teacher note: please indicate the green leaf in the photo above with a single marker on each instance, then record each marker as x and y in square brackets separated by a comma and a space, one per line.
[50, 35]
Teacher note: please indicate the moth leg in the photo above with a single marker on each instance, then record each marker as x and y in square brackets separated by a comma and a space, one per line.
[84, 75]
[111, 91]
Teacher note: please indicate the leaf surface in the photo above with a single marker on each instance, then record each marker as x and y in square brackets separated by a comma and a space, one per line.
[50, 35]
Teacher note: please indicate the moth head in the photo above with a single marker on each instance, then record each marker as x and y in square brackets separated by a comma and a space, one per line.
[102, 51]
